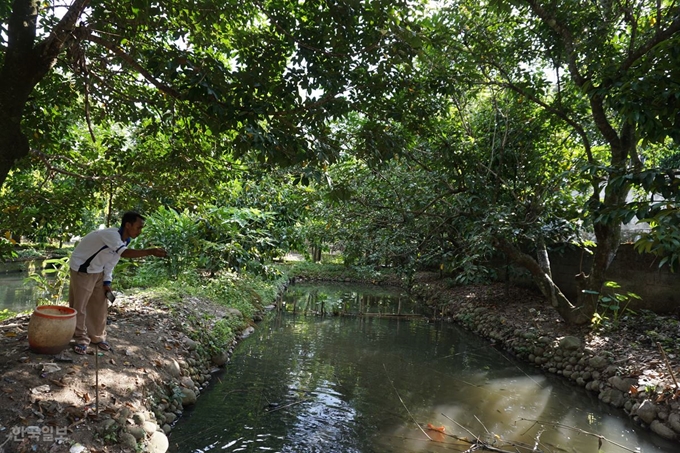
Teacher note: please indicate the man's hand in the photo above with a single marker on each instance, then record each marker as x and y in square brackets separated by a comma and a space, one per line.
[109, 294]
[161, 253]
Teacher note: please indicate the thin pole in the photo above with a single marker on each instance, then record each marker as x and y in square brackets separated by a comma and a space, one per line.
[96, 381]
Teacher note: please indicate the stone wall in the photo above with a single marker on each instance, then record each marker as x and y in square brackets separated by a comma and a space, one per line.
[659, 288]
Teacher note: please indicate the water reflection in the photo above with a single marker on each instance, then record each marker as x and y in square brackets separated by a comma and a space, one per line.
[342, 300]
[373, 384]
[17, 294]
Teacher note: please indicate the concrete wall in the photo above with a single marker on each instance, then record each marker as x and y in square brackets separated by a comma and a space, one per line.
[636, 273]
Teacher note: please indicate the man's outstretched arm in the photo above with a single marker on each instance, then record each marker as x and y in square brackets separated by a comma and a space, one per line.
[139, 253]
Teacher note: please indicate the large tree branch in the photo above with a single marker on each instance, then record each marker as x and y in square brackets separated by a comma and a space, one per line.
[567, 39]
[21, 27]
[51, 47]
[603, 124]
[555, 111]
[52, 168]
[23, 67]
[558, 112]
[88, 35]
[572, 314]
[659, 37]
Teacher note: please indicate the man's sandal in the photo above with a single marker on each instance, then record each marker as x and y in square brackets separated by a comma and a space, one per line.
[80, 349]
[104, 346]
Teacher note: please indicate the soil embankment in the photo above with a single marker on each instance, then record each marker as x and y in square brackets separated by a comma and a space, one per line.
[119, 400]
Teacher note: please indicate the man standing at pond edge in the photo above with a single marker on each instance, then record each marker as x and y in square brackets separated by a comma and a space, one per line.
[92, 264]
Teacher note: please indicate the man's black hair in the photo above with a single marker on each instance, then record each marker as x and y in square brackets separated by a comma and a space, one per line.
[130, 217]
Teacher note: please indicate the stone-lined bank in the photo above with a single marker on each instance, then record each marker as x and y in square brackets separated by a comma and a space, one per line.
[185, 376]
[634, 376]
[164, 355]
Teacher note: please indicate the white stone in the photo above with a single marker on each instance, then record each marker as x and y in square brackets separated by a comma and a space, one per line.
[647, 412]
[157, 443]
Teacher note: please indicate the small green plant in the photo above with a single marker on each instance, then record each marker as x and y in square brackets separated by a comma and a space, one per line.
[522, 350]
[598, 320]
[111, 437]
[222, 335]
[29, 253]
[6, 314]
[611, 304]
[52, 281]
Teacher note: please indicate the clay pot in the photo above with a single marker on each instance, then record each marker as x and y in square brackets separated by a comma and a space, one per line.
[51, 328]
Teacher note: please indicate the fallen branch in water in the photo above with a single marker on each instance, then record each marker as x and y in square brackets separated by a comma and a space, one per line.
[479, 444]
[403, 404]
[600, 437]
[480, 422]
[232, 391]
[389, 315]
[288, 405]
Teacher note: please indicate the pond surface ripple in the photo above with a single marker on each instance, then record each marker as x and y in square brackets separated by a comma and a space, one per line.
[371, 384]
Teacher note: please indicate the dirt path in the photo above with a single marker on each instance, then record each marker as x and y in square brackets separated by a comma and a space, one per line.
[51, 403]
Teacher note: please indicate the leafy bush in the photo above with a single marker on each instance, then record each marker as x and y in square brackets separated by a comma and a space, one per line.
[177, 233]
[611, 304]
[664, 238]
[52, 281]
[6, 249]
[237, 239]
[6, 314]
[219, 238]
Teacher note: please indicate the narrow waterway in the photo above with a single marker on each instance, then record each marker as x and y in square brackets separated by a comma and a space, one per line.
[368, 383]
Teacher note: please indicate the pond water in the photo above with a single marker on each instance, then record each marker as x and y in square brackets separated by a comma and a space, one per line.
[15, 293]
[372, 383]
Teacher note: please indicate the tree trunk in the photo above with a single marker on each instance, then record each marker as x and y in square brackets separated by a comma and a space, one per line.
[13, 145]
[316, 253]
[607, 232]
[25, 64]
[578, 315]
[608, 237]
[544, 262]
